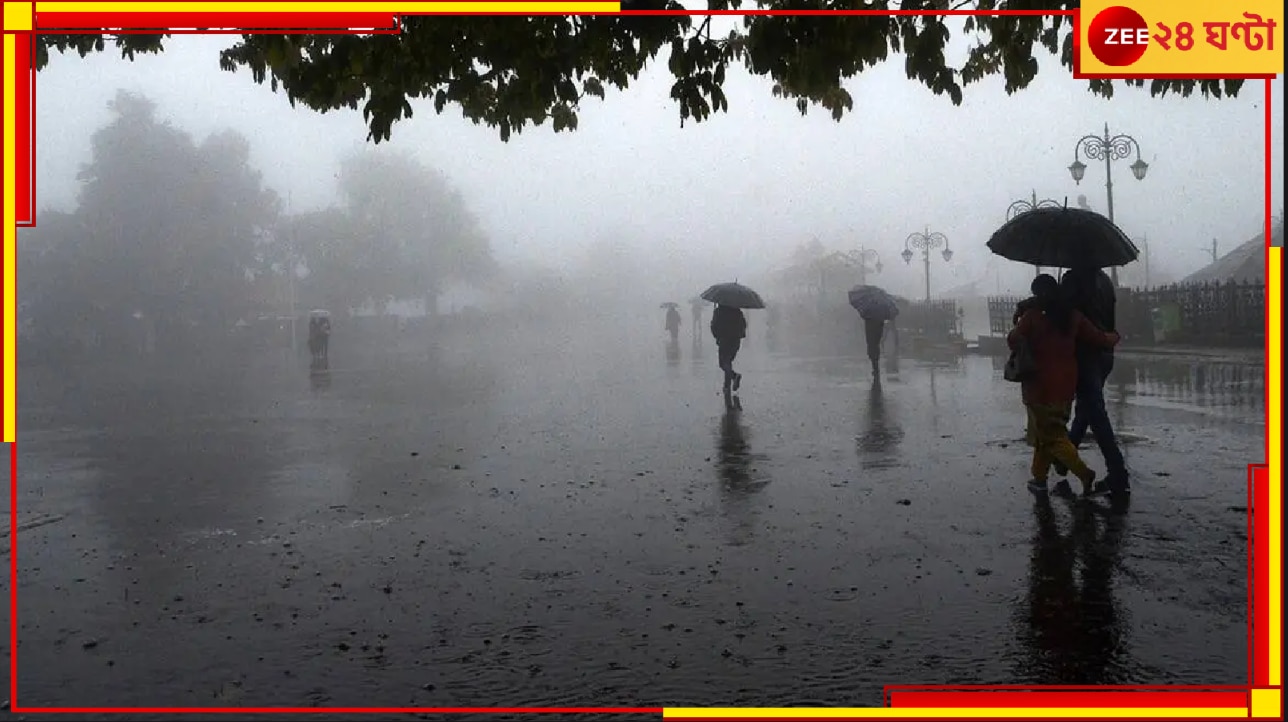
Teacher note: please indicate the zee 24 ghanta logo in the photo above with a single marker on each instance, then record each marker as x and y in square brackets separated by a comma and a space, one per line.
[1119, 36]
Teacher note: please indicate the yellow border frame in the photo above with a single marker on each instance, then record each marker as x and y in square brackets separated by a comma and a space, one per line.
[1265, 703]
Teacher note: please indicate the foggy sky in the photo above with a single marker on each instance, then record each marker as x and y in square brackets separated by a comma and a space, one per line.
[742, 189]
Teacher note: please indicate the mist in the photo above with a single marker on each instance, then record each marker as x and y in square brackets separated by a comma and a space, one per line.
[738, 193]
[408, 423]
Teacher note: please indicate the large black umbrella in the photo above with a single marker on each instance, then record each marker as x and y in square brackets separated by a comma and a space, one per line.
[1064, 238]
[874, 303]
[733, 294]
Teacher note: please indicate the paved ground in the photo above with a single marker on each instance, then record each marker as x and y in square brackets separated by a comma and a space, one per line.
[585, 524]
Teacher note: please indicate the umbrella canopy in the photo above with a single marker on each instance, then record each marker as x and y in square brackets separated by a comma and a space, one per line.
[874, 303]
[733, 294]
[670, 304]
[1065, 238]
[320, 313]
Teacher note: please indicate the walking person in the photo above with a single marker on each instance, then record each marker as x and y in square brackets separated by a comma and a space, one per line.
[673, 324]
[1052, 328]
[874, 331]
[1091, 292]
[729, 327]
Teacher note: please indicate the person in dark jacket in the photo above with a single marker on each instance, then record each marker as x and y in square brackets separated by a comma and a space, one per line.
[673, 324]
[1092, 293]
[729, 326]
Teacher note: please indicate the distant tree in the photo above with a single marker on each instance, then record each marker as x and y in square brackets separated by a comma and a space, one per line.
[163, 228]
[53, 274]
[511, 72]
[402, 232]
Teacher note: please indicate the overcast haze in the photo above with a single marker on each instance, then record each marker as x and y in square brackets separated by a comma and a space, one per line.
[741, 190]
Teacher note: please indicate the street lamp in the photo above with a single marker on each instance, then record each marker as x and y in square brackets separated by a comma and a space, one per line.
[1107, 148]
[860, 258]
[1032, 204]
[925, 242]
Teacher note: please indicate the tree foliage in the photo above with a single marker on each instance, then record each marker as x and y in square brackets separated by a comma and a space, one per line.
[512, 72]
[164, 228]
[401, 232]
[173, 233]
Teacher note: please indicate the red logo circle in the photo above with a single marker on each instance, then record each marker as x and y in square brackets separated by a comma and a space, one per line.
[1118, 36]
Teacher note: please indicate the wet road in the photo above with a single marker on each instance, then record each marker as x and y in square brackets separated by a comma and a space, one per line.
[587, 525]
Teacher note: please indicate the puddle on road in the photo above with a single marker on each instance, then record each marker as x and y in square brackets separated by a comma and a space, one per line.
[1125, 438]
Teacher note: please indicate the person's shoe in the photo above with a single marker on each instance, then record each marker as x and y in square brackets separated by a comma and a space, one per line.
[737, 381]
[1062, 489]
[1037, 486]
[1118, 482]
[1091, 487]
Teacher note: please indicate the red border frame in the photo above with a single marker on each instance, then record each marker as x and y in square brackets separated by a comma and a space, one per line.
[929, 696]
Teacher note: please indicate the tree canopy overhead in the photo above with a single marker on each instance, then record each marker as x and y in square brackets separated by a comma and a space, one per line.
[512, 72]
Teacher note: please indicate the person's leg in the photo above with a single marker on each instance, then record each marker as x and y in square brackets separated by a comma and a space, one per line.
[733, 353]
[1053, 437]
[1093, 393]
[1040, 465]
[1088, 383]
[725, 360]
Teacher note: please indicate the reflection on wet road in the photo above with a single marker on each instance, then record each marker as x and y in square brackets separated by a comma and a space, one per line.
[594, 526]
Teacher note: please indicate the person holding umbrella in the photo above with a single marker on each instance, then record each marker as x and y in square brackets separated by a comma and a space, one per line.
[729, 325]
[673, 321]
[1085, 242]
[1050, 329]
[876, 306]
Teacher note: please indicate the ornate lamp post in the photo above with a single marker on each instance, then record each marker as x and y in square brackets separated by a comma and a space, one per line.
[860, 258]
[926, 242]
[1107, 148]
[1032, 204]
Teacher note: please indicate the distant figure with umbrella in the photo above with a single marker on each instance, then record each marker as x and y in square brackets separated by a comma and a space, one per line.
[1047, 335]
[729, 325]
[1085, 242]
[673, 321]
[876, 306]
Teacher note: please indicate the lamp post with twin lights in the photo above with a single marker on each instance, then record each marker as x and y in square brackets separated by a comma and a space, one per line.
[926, 242]
[1032, 204]
[1107, 148]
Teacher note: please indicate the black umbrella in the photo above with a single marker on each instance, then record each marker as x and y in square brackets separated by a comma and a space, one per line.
[733, 294]
[1064, 238]
[874, 303]
[670, 304]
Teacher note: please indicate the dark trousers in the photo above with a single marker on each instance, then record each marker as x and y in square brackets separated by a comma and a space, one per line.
[728, 349]
[1090, 412]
